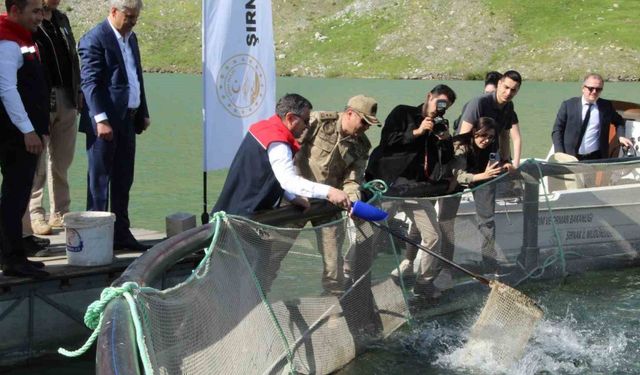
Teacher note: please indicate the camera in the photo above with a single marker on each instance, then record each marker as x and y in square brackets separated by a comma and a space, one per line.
[631, 152]
[440, 124]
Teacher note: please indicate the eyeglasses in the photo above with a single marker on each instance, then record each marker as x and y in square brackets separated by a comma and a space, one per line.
[487, 137]
[361, 115]
[305, 120]
[591, 89]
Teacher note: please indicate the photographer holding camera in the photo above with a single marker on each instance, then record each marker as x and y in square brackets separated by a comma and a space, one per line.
[415, 145]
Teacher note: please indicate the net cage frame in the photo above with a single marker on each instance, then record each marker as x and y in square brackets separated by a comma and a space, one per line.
[117, 343]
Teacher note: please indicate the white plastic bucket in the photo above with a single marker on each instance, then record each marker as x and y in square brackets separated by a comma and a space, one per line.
[89, 237]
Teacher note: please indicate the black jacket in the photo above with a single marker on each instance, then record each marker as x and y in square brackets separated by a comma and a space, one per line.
[47, 48]
[400, 154]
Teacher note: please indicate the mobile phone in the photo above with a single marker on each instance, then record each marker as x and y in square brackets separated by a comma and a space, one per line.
[494, 159]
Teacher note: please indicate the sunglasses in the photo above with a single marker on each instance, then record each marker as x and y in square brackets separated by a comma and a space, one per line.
[591, 89]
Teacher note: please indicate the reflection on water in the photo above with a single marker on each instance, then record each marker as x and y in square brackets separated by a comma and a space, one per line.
[590, 327]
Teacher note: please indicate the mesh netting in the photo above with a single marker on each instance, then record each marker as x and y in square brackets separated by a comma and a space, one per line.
[264, 300]
[532, 226]
[262, 304]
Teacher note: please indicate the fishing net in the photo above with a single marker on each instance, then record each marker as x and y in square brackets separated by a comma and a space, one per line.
[505, 325]
[264, 300]
[259, 302]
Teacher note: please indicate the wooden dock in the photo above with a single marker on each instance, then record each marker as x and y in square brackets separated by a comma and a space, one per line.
[55, 259]
[38, 316]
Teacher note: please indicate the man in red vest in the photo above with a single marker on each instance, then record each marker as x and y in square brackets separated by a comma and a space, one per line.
[24, 120]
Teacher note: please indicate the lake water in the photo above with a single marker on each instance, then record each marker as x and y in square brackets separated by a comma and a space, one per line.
[591, 323]
[591, 326]
[168, 175]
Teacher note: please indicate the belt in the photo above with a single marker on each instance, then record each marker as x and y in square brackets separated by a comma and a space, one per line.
[589, 156]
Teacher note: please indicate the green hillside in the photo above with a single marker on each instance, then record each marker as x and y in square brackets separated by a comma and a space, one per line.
[411, 39]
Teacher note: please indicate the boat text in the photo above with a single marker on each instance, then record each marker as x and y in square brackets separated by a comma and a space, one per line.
[566, 219]
[588, 234]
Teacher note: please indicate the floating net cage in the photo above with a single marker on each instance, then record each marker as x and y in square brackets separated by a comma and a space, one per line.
[264, 299]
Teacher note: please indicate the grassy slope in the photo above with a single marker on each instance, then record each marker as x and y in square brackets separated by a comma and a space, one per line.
[545, 40]
[564, 39]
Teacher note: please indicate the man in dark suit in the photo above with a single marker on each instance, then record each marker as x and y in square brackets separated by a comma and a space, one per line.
[582, 124]
[115, 110]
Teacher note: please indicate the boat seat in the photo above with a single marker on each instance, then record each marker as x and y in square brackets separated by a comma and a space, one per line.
[564, 182]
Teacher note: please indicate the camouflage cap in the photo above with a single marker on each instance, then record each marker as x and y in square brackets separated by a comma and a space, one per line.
[366, 107]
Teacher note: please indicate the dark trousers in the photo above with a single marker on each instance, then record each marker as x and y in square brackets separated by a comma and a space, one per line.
[111, 170]
[485, 201]
[18, 168]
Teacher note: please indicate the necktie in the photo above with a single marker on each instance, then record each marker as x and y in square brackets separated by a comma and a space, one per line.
[585, 122]
[587, 116]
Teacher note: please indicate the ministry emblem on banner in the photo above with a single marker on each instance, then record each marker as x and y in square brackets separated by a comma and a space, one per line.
[241, 85]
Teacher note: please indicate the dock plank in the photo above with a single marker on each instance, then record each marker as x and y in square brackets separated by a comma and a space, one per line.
[55, 259]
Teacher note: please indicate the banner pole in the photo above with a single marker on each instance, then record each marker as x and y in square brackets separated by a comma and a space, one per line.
[205, 213]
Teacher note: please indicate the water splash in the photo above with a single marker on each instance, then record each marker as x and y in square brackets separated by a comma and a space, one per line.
[557, 346]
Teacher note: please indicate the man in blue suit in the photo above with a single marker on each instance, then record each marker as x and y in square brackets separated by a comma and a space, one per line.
[115, 110]
[582, 124]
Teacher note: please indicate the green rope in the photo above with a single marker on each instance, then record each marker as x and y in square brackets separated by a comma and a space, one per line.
[94, 315]
[377, 187]
[560, 254]
[266, 303]
[405, 291]
[217, 220]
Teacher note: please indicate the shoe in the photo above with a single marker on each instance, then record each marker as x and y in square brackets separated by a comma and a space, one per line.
[426, 291]
[42, 242]
[405, 269]
[32, 246]
[36, 264]
[55, 221]
[130, 245]
[24, 269]
[444, 280]
[39, 226]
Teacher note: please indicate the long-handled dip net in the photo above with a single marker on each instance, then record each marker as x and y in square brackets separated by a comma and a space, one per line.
[508, 317]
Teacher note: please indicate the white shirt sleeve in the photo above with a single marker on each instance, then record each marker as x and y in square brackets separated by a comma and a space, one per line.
[281, 160]
[10, 62]
[101, 117]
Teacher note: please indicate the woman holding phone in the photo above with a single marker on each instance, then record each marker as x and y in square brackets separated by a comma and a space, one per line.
[471, 166]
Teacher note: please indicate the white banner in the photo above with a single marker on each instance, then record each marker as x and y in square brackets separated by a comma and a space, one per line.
[239, 79]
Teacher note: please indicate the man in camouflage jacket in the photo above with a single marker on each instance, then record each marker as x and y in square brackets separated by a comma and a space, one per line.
[334, 151]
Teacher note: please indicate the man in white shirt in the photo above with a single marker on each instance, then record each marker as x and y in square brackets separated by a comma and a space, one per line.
[262, 172]
[583, 123]
[24, 121]
[115, 111]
